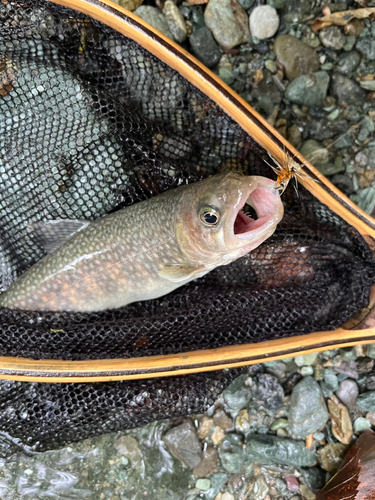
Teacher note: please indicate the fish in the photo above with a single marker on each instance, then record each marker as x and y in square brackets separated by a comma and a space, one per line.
[147, 250]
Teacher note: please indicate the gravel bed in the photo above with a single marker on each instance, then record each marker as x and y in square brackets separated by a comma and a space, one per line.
[279, 431]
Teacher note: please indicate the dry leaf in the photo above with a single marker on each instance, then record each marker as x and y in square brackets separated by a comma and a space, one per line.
[342, 18]
[355, 478]
[197, 2]
[341, 424]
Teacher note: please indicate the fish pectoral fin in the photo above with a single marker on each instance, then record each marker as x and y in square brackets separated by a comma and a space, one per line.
[53, 233]
[180, 272]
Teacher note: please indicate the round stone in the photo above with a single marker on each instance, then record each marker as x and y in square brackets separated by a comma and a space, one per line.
[203, 484]
[263, 22]
[362, 424]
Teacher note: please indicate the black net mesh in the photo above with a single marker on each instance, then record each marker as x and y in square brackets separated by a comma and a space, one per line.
[91, 122]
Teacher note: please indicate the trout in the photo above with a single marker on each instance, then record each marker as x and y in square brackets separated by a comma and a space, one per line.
[149, 249]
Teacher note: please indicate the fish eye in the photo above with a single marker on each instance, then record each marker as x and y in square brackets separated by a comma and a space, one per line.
[209, 216]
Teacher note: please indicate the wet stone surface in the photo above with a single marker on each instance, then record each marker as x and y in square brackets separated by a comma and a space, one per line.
[268, 433]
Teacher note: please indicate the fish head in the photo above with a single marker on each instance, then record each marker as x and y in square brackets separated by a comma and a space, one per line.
[213, 226]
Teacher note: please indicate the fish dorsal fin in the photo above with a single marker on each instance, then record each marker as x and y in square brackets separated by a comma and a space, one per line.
[53, 233]
[176, 273]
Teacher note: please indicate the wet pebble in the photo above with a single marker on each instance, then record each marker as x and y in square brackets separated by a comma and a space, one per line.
[153, 16]
[127, 446]
[344, 183]
[341, 423]
[296, 57]
[308, 411]
[308, 90]
[366, 401]
[269, 449]
[306, 359]
[348, 368]
[314, 478]
[367, 128]
[291, 482]
[348, 62]
[222, 420]
[264, 22]
[347, 392]
[203, 484]
[362, 424]
[346, 90]
[269, 393]
[236, 395]
[332, 38]
[175, 21]
[366, 45]
[331, 455]
[228, 22]
[208, 464]
[204, 47]
[184, 444]
[231, 453]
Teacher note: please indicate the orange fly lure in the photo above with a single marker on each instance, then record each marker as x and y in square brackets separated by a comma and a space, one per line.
[286, 171]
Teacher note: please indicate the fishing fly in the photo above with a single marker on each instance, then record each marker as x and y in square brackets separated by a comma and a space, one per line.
[286, 171]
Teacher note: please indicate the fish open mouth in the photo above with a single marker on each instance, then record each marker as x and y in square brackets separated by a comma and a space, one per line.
[258, 213]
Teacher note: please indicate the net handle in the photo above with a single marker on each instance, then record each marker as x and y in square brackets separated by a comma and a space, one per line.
[29, 370]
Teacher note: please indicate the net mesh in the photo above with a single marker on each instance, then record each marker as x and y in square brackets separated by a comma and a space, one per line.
[90, 123]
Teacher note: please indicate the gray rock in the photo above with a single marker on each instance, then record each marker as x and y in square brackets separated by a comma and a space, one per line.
[228, 22]
[246, 4]
[308, 90]
[175, 21]
[368, 85]
[222, 420]
[217, 481]
[347, 62]
[349, 43]
[154, 17]
[330, 378]
[332, 38]
[367, 128]
[344, 183]
[345, 90]
[204, 47]
[369, 383]
[366, 46]
[348, 392]
[329, 168]
[366, 401]
[331, 455]
[184, 444]
[308, 411]
[127, 446]
[370, 351]
[366, 200]
[226, 75]
[268, 391]
[296, 57]
[208, 465]
[317, 154]
[348, 368]
[269, 449]
[307, 359]
[264, 22]
[361, 424]
[231, 453]
[236, 395]
[314, 478]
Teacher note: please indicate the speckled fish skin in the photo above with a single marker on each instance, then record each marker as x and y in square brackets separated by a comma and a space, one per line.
[151, 248]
